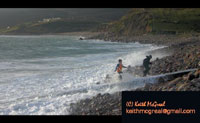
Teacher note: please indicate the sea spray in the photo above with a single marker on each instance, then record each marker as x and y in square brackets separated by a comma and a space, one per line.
[44, 74]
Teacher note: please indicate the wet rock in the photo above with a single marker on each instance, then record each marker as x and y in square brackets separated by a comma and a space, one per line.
[101, 104]
[197, 73]
[147, 86]
[98, 83]
[161, 80]
[190, 76]
[181, 87]
[172, 89]
[157, 59]
[139, 89]
[174, 82]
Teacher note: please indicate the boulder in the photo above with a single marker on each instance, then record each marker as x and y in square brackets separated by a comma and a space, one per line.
[147, 86]
[197, 73]
[172, 89]
[161, 80]
[174, 82]
[191, 76]
[181, 87]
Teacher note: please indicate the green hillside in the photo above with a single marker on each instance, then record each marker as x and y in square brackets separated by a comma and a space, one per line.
[57, 26]
[30, 21]
[136, 22]
[155, 21]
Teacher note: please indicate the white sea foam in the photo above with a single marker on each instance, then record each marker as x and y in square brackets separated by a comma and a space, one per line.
[44, 74]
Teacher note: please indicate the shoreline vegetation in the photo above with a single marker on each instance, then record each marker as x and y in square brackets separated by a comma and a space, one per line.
[184, 53]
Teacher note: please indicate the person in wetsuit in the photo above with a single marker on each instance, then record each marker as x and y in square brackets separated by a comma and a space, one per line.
[146, 63]
[119, 68]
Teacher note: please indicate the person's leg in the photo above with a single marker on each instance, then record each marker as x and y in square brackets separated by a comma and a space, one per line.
[145, 71]
[120, 76]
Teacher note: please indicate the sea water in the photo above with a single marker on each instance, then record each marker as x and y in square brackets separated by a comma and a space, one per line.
[42, 75]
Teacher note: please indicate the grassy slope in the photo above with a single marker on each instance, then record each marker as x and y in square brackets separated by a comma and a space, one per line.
[136, 21]
[156, 20]
[58, 26]
[73, 20]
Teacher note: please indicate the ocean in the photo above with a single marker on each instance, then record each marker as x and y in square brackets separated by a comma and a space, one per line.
[42, 75]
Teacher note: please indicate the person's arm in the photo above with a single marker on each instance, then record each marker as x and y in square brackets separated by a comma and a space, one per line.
[124, 66]
[149, 61]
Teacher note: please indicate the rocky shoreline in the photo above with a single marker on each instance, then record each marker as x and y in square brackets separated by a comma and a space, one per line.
[185, 55]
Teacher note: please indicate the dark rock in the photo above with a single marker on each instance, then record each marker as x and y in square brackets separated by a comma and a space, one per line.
[161, 80]
[191, 76]
[197, 73]
[98, 83]
[80, 38]
[147, 86]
